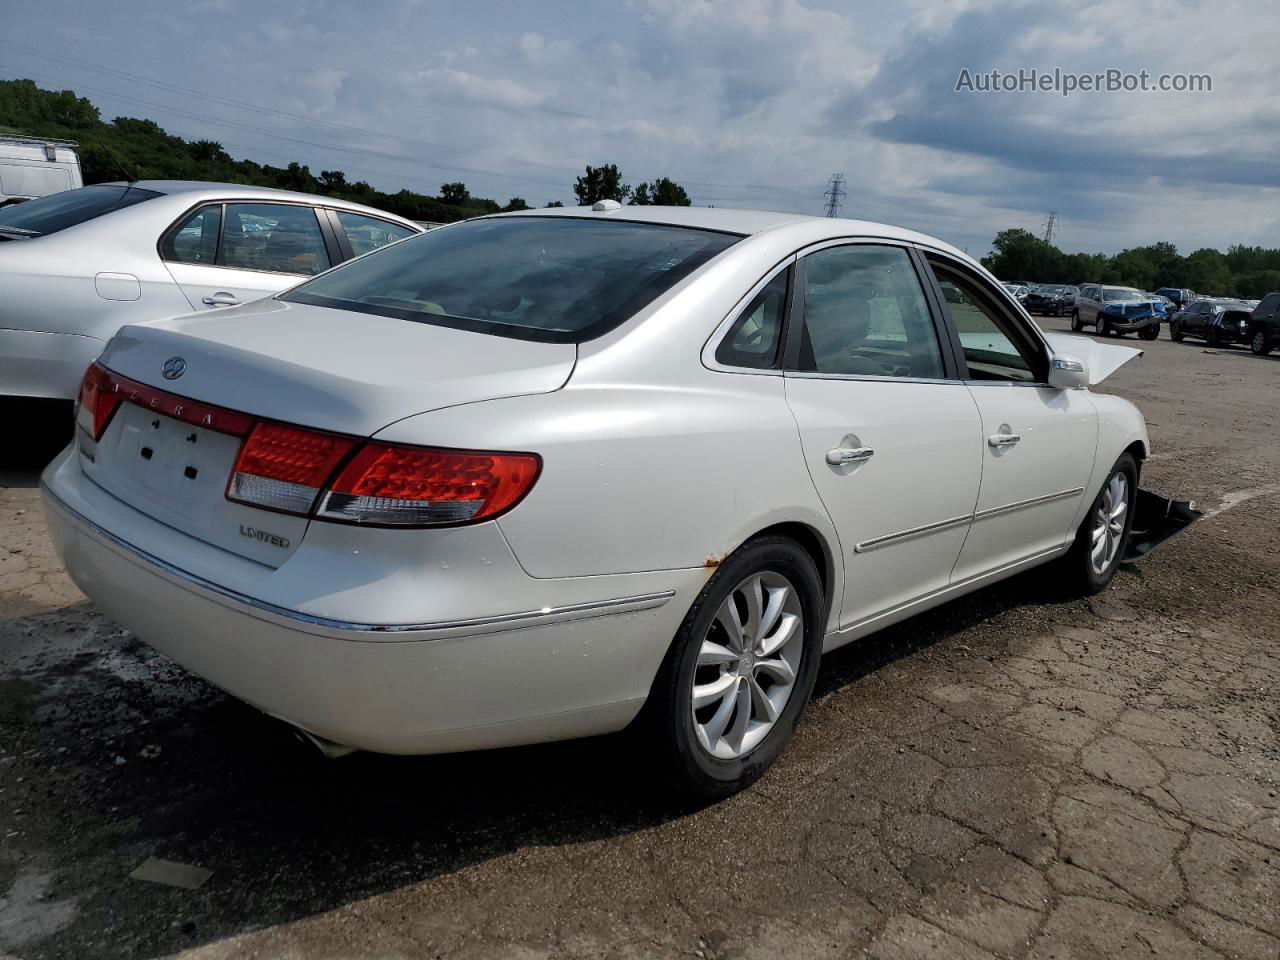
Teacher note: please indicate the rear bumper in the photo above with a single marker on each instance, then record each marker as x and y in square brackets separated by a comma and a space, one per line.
[36, 364]
[558, 672]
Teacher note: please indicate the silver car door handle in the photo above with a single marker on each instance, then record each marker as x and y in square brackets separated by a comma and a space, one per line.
[221, 300]
[842, 455]
[1003, 439]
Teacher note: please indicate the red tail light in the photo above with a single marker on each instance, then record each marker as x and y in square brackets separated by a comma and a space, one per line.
[284, 468]
[97, 401]
[329, 476]
[421, 486]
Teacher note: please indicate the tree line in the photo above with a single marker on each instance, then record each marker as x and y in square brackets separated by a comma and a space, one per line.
[130, 148]
[1243, 271]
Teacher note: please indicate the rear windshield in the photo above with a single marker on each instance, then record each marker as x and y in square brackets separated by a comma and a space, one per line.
[557, 279]
[57, 211]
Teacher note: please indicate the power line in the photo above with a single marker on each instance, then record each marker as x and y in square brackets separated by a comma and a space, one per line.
[347, 128]
[834, 194]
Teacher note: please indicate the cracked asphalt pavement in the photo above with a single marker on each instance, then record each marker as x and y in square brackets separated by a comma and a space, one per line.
[1020, 773]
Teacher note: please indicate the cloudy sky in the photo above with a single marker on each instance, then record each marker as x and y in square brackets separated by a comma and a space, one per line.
[745, 102]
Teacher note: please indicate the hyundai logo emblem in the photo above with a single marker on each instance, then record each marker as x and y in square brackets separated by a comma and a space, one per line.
[174, 367]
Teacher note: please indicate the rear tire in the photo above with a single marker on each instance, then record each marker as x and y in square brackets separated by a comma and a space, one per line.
[1102, 327]
[1076, 325]
[1150, 332]
[1211, 337]
[1103, 535]
[700, 752]
[1259, 345]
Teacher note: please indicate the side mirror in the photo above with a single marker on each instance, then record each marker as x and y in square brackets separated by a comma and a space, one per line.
[1067, 372]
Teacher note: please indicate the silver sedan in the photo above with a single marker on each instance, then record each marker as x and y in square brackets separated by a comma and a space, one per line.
[76, 266]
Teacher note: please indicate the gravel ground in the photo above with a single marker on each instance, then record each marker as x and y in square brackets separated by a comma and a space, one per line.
[1017, 774]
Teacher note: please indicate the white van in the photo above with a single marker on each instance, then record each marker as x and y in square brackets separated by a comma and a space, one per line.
[34, 167]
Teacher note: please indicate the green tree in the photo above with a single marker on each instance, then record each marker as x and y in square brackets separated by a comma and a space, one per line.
[333, 181]
[516, 203]
[640, 196]
[600, 183]
[668, 193]
[1020, 255]
[454, 193]
[555, 203]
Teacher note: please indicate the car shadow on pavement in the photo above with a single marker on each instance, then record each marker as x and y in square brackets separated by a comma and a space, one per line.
[124, 756]
[32, 432]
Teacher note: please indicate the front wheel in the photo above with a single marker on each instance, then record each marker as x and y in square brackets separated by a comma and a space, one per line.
[1076, 324]
[1175, 332]
[1104, 532]
[1260, 346]
[1211, 338]
[740, 670]
[1150, 332]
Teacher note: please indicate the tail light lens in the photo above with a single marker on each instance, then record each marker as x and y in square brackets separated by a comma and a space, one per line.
[284, 468]
[423, 486]
[329, 476]
[97, 401]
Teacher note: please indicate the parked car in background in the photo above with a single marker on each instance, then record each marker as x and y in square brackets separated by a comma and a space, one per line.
[1117, 310]
[440, 497]
[33, 167]
[1181, 297]
[1216, 322]
[77, 265]
[1055, 299]
[1018, 290]
[1264, 325]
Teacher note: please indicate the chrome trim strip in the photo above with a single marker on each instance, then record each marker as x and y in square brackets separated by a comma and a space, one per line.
[510, 621]
[875, 543]
[1023, 504]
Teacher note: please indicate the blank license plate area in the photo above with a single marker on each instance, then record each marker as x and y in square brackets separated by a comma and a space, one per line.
[184, 468]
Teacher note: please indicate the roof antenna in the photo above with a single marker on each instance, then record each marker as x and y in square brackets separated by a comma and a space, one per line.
[129, 177]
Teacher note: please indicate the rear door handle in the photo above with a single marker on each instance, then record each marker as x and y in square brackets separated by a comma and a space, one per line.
[221, 300]
[842, 455]
[1003, 439]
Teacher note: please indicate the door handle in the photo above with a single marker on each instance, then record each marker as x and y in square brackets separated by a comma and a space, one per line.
[842, 455]
[1003, 439]
[221, 300]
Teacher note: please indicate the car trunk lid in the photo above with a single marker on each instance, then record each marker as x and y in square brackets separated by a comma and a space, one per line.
[190, 386]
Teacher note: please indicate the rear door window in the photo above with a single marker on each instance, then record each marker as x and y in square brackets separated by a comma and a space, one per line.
[275, 237]
[194, 239]
[369, 233]
[865, 314]
[46, 215]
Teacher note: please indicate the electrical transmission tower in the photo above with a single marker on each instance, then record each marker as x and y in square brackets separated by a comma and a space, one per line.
[1050, 222]
[834, 194]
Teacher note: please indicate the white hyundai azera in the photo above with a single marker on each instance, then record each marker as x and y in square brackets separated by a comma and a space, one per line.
[543, 475]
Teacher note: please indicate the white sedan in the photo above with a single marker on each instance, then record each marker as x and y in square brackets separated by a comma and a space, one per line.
[75, 266]
[541, 475]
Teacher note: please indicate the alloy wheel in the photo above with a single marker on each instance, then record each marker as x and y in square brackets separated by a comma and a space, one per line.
[1108, 523]
[1259, 344]
[747, 665]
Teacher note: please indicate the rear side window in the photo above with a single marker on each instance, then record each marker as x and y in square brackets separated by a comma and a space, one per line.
[276, 237]
[754, 338]
[195, 239]
[370, 233]
[46, 215]
[865, 315]
[556, 279]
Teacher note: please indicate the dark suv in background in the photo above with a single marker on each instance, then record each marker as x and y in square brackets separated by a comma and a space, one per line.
[1055, 299]
[1264, 324]
[1216, 322]
[1181, 296]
